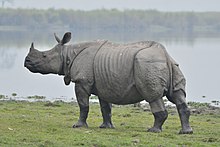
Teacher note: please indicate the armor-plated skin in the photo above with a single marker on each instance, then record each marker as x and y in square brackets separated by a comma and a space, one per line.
[116, 73]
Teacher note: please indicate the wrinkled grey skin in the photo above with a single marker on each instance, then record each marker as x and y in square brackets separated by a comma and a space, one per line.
[103, 69]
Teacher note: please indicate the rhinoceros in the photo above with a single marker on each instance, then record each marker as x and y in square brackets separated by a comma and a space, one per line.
[117, 74]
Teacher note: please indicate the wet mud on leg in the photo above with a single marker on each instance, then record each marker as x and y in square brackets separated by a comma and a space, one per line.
[83, 102]
[106, 109]
[183, 111]
[160, 115]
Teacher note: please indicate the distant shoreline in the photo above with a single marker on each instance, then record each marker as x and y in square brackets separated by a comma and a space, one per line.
[103, 20]
[36, 98]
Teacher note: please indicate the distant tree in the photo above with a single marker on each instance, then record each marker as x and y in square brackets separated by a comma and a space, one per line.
[14, 94]
[3, 2]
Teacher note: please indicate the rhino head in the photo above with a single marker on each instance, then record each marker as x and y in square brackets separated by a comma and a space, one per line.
[46, 62]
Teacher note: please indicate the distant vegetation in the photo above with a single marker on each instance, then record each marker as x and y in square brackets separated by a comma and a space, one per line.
[148, 21]
[24, 26]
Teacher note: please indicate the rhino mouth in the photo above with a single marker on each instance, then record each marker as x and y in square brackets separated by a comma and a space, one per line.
[29, 65]
[33, 67]
[27, 62]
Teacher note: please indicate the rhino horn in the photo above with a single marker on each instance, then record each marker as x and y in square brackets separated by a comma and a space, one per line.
[32, 47]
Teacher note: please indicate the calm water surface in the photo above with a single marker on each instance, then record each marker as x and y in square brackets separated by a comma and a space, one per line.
[199, 61]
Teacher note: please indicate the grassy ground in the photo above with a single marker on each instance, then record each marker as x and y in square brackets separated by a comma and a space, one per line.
[49, 124]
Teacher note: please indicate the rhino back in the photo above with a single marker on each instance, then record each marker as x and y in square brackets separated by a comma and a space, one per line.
[114, 72]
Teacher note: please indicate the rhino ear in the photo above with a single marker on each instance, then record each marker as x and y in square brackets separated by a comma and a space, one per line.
[57, 38]
[66, 38]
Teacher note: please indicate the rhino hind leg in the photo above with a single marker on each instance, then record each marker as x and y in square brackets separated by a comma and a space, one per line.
[160, 115]
[106, 109]
[183, 111]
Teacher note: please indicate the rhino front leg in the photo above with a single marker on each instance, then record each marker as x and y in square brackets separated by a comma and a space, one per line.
[83, 101]
[183, 110]
[106, 109]
[160, 115]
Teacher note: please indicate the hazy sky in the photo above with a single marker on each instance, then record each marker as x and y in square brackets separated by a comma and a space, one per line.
[162, 5]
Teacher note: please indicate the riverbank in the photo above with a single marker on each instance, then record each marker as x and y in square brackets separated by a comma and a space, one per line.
[25, 123]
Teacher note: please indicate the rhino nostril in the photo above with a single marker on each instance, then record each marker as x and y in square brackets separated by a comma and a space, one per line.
[27, 59]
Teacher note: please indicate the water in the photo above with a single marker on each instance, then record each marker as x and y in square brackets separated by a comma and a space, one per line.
[198, 59]
[199, 63]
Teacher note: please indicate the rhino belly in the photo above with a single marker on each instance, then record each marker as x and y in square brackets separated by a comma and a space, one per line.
[114, 76]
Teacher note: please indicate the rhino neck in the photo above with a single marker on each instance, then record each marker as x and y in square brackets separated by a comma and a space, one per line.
[63, 60]
[69, 53]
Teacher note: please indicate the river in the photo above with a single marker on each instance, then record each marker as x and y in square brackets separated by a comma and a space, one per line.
[198, 59]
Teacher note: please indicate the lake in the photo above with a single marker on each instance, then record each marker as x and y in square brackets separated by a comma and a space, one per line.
[198, 58]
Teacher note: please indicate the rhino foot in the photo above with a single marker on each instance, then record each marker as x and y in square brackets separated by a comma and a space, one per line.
[80, 124]
[107, 125]
[186, 131]
[154, 130]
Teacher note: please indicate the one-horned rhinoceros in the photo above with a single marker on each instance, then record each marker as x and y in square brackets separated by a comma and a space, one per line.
[118, 74]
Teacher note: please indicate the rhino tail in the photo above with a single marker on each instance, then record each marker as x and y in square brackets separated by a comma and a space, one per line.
[177, 80]
[170, 68]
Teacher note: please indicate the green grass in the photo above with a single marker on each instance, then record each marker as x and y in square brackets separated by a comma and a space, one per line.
[49, 124]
